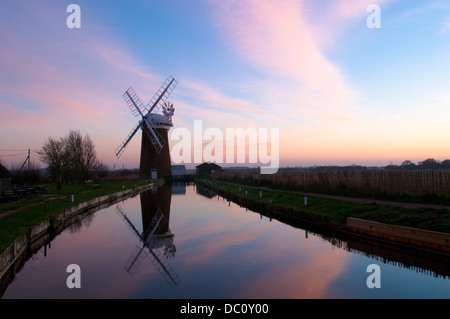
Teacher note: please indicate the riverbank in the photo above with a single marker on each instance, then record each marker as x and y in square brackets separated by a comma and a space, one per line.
[335, 213]
[16, 218]
[39, 234]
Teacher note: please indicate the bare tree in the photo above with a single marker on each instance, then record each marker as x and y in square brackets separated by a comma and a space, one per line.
[88, 156]
[54, 154]
[71, 158]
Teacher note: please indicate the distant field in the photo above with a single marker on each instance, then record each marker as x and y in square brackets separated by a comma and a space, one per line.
[429, 186]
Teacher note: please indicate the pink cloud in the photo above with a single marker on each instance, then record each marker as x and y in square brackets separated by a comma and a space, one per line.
[196, 100]
[344, 9]
[274, 34]
[313, 281]
[53, 80]
[288, 41]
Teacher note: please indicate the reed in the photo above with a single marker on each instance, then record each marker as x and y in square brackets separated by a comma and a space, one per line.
[431, 184]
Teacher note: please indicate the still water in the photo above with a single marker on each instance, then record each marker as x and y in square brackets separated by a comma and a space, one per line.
[181, 241]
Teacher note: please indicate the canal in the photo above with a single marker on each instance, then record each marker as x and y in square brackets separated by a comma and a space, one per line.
[183, 241]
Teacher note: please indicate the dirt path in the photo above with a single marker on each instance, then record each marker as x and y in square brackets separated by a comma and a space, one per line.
[350, 199]
[9, 212]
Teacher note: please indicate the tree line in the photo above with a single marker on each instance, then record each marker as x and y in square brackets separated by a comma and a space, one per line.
[430, 163]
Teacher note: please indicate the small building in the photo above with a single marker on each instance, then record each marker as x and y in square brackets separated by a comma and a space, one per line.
[5, 180]
[178, 171]
[206, 169]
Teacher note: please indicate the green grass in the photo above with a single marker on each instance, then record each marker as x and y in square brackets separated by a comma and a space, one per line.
[332, 211]
[34, 210]
[407, 198]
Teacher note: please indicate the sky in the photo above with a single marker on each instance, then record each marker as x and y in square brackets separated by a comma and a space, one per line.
[338, 91]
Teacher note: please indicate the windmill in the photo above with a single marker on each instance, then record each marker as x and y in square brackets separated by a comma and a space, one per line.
[155, 122]
[152, 241]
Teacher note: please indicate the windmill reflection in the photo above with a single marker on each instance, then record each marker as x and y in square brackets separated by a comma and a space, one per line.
[156, 239]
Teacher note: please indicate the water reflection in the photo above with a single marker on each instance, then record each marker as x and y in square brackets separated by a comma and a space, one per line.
[221, 250]
[155, 240]
[420, 260]
[179, 188]
[206, 192]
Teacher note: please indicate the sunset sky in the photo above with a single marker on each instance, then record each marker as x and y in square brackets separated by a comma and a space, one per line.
[339, 92]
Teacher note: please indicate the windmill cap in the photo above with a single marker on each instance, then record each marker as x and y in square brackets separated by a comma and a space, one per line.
[159, 121]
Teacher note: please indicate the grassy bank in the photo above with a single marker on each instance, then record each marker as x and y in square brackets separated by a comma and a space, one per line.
[17, 217]
[334, 212]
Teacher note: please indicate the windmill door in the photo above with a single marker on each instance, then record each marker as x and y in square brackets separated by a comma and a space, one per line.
[154, 174]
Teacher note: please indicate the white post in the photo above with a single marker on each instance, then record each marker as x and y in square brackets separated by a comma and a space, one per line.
[260, 194]
[306, 200]
[72, 198]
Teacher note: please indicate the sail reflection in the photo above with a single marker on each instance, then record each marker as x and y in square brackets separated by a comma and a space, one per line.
[155, 239]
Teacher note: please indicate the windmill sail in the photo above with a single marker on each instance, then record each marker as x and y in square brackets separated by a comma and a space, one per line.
[134, 103]
[129, 223]
[155, 226]
[162, 95]
[148, 123]
[136, 258]
[153, 135]
[163, 266]
[119, 150]
[140, 253]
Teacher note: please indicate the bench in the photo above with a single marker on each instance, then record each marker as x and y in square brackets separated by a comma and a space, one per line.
[90, 183]
[41, 189]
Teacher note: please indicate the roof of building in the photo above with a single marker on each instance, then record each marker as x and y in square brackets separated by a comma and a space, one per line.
[178, 170]
[4, 173]
[209, 165]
